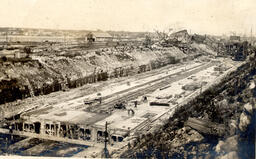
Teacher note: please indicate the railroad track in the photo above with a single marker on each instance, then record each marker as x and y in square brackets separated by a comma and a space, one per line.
[96, 106]
[149, 82]
[158, 84]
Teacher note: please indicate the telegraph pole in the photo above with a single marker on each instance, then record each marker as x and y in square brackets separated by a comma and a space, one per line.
[201, 87]
[251, 36]
[106, 153]
[6, 38]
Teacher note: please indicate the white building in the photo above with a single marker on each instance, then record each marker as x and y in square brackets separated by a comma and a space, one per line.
[98, 37]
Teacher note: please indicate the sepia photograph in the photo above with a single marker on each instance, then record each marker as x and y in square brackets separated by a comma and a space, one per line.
[161, 79]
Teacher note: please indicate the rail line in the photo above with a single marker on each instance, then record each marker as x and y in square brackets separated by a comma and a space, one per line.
[160, 83]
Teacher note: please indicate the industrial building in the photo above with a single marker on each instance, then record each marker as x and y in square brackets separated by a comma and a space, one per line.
[98, 37]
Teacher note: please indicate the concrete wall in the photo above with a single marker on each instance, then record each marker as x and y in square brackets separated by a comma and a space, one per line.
[66, 130]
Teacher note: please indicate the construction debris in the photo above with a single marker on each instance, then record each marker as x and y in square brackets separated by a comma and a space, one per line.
[206, 127]
[158, 104]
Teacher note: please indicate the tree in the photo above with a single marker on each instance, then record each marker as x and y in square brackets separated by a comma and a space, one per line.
[27, 50]
[147, 41]
[4, 58]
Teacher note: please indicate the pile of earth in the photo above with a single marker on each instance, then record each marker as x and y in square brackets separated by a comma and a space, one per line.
[54, 71]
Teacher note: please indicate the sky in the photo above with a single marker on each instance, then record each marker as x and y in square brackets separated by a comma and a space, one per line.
[197, 16]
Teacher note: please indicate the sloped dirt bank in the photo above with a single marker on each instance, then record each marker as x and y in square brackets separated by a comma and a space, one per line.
[51, 71]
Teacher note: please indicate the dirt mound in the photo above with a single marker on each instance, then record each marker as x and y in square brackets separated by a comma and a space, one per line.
[62, 68]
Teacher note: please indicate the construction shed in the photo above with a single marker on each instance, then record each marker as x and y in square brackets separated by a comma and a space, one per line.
[98, 37]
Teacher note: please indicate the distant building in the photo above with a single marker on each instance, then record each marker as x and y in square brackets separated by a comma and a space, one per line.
[234, 38]
[12, 54]
[18, 38]
[181, 36]
[98, 37]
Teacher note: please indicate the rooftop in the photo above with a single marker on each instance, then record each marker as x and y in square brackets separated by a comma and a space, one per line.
[101, 34]
[52, 113]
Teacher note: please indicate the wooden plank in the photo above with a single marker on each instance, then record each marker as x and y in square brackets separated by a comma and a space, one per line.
[205, 126]
[19, 144]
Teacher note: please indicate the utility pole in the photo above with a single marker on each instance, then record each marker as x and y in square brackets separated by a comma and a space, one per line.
[251, 36]
[106, 153]
[201, 87]
[6, 38]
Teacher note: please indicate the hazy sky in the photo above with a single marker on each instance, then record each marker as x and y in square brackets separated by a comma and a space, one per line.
[202, 16]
